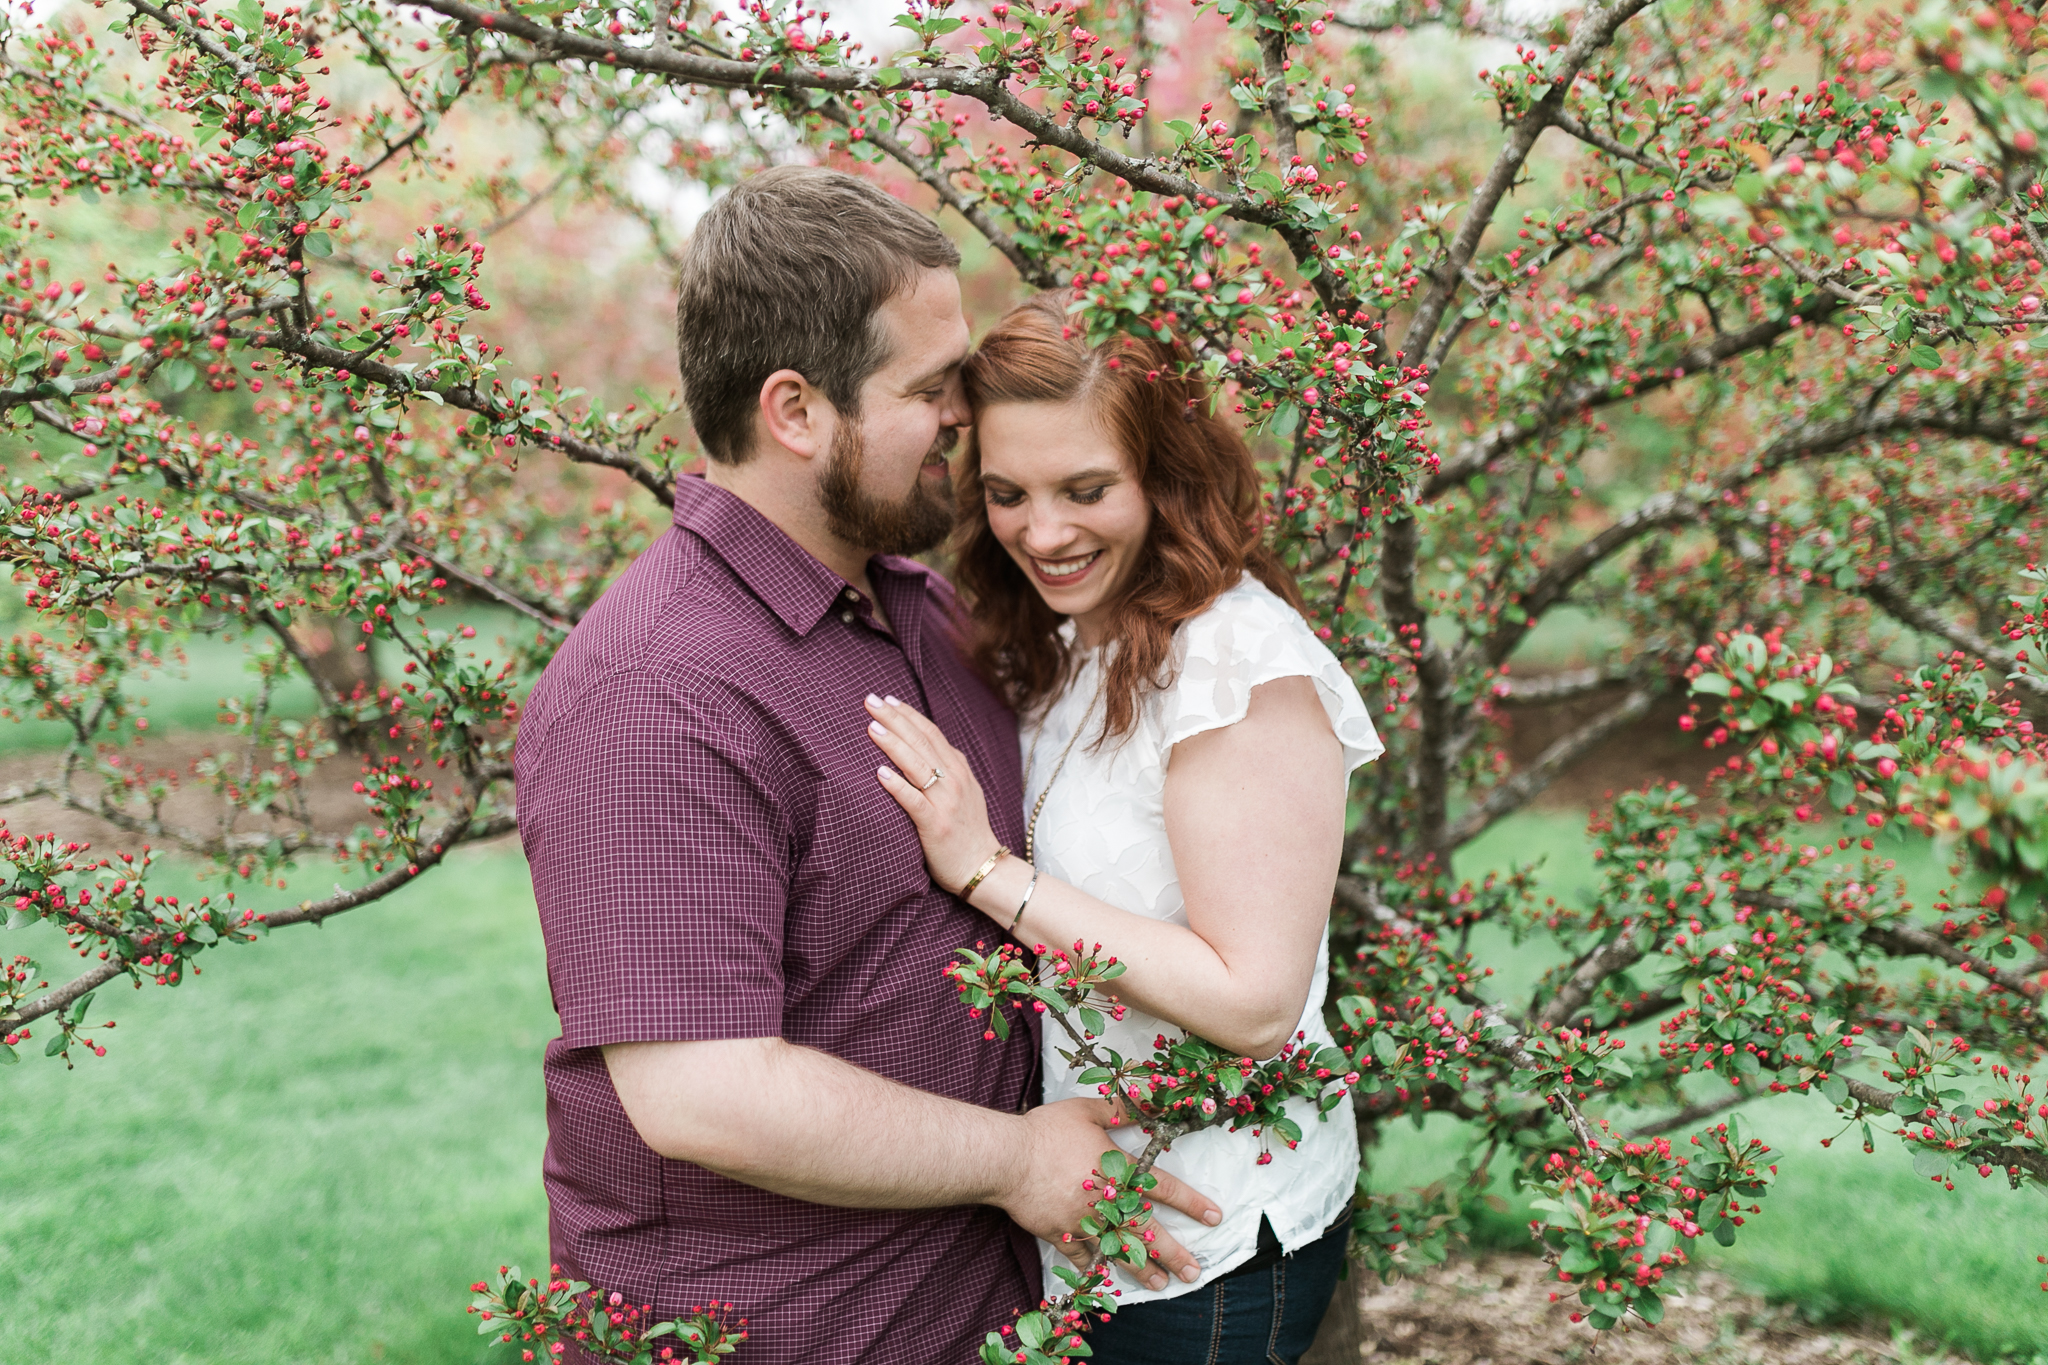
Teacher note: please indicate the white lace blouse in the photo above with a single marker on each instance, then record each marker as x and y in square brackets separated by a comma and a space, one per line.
[1103, 830]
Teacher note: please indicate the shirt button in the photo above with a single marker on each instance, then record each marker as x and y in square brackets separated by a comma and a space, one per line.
[847, 617]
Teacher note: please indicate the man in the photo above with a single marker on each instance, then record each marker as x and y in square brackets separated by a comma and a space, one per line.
[765, 1092]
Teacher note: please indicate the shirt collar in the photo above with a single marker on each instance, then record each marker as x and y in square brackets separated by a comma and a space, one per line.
[787, 578]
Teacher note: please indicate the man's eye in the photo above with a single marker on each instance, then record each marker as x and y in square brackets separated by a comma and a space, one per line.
[1085, 496]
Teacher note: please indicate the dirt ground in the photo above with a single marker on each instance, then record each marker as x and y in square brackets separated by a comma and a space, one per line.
[190, 804]
[1496, 1310]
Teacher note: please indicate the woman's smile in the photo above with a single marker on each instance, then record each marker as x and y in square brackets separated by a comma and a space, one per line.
[1064, 573]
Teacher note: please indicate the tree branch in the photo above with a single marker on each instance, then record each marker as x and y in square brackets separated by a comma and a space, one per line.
[985, 85]
[1521, 788]
[1031, 270]
[1620, 952]
[1559, 687]
[62, 996]
[1886, 592]
[1693, 1113]
[1906, 940]
[1596, 28]
[463, 396]
[488, 588]
[1400, 547]
[1804, 442]
[1474, 457]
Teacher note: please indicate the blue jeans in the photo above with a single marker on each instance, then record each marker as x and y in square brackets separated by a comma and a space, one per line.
[1268, 1316]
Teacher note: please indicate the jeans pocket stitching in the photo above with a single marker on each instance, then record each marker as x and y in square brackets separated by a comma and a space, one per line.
[1216, 1324]
[1273, 1355]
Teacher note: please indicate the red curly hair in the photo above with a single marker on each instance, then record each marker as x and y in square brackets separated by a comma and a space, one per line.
[1193, 468]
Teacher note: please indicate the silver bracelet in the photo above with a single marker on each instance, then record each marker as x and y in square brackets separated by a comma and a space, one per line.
[1030, 887]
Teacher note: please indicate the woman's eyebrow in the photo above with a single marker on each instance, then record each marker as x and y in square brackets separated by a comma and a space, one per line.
[1081, 477]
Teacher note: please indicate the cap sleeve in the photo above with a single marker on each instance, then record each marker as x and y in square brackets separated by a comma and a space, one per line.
[1247, 637]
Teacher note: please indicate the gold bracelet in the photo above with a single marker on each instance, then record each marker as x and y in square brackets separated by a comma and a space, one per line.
[1023, 904]
[983, 871]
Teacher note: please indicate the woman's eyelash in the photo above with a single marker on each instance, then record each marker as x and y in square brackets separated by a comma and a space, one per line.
[1087, 497]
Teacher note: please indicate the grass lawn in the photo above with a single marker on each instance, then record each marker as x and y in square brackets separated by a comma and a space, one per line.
[307, 1153]
[304, 1155]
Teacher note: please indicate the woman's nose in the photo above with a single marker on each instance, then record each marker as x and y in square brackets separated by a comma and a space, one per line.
[1044, 534]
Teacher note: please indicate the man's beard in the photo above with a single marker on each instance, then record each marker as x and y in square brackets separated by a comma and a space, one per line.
[911, 526]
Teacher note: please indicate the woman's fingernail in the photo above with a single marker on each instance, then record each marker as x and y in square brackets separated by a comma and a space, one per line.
[892, 701]
[1189, 1274]
[876, 727]
[1212, 1217]
[883, 772]
[874, 700]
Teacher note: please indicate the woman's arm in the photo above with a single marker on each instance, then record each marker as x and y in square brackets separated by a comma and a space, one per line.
[1255, 817]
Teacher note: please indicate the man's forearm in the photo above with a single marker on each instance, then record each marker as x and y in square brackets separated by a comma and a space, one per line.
[808, 1125]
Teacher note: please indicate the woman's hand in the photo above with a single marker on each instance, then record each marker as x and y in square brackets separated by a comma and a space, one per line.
[951, 814]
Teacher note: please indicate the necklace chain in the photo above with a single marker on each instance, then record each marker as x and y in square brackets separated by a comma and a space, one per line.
[1031, 758]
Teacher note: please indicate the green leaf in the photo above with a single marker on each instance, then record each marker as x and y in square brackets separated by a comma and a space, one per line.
[888, 76]
[1835, 1089]
[1724, 1233]
[1649, 1307]
[1925, 357]
[56, 1045]
[8, 1056]
[1032, 1329]
[96, 619]
[319, 244]
[1928, 1163]
[1578, 1260]
[1713, 684]
[80, 1006]
[179, 374]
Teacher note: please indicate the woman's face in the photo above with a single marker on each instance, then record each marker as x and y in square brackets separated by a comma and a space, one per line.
[1063, 500]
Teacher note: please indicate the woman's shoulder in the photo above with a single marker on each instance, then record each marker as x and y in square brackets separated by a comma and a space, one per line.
[1251, 635]
[1247, 620]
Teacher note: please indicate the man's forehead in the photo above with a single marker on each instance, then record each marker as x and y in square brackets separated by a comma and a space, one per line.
[929, 330]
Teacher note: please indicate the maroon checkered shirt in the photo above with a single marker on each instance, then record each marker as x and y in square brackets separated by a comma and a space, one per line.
[714, 858]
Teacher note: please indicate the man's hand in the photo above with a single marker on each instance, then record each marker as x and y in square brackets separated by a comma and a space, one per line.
[1066, 1140]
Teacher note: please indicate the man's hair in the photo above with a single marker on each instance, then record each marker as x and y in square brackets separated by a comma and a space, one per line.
[788, 271]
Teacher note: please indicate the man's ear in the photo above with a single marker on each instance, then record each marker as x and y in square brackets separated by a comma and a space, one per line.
[796, 416]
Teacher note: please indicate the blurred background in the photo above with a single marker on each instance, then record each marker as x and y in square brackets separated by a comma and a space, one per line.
[306, 1153]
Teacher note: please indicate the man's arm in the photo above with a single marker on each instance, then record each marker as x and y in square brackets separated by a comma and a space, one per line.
[819, 1129]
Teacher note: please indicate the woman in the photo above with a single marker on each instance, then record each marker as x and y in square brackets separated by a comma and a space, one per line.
[1188, 744]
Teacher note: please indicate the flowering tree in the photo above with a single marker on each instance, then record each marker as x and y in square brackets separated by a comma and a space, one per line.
[1727, 334]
